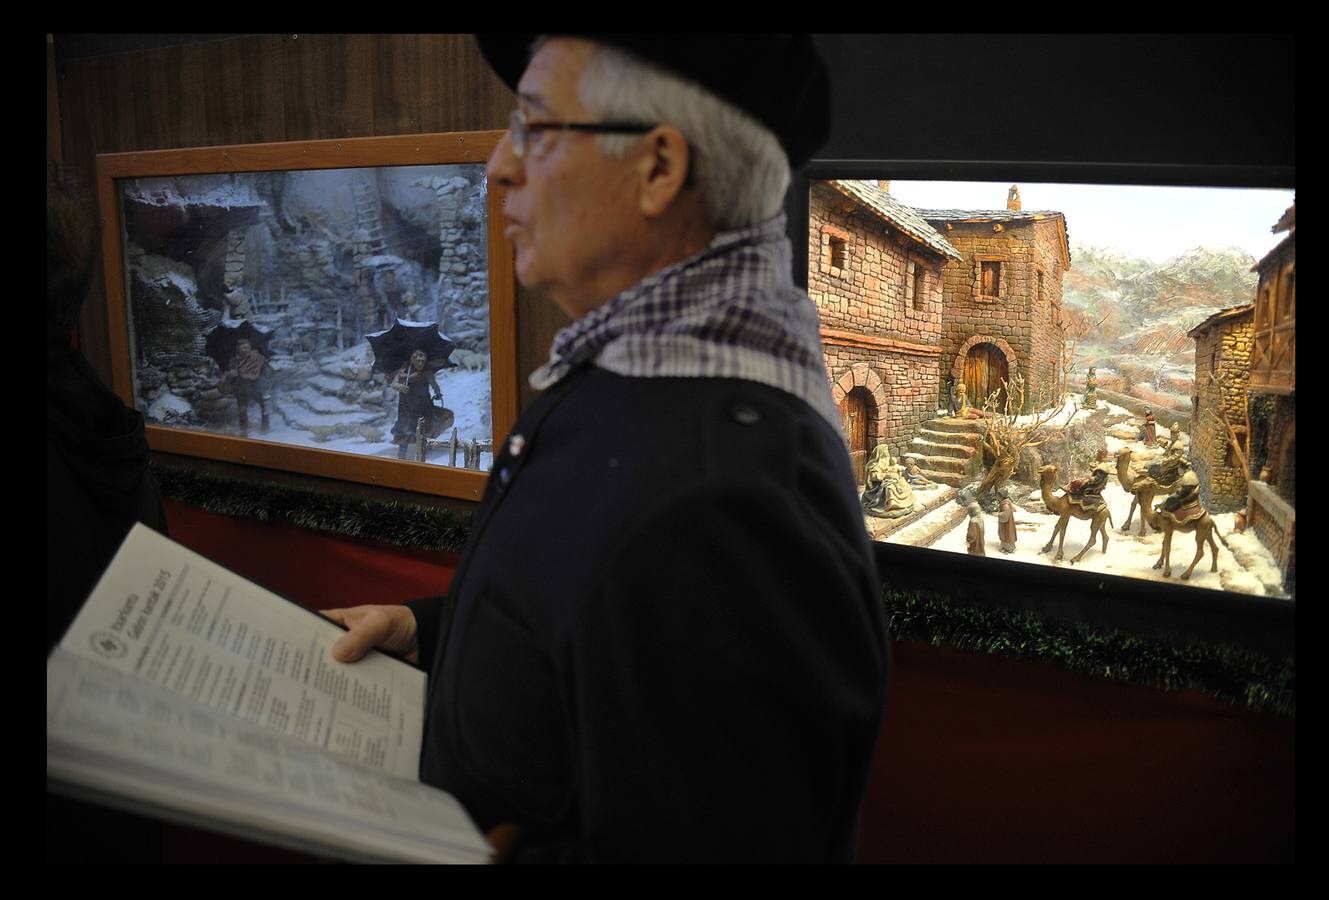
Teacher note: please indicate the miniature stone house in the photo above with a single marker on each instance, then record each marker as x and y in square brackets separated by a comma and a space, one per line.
[1272, 508]
[874, 271]
[1222, 371]
[1001, 299]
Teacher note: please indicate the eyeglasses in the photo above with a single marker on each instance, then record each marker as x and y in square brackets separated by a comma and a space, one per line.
[520, 130]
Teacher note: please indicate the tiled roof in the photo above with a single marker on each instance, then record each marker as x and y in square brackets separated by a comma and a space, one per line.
[1001, 215]
[988, 215]
[1232, 312]
[903, 217]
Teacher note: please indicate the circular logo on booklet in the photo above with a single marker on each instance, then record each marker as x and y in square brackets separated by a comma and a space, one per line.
[109, 645]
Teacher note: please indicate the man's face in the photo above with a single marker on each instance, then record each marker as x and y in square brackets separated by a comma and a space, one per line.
[571, 213]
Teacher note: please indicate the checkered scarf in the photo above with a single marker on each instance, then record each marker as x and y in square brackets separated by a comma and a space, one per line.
[731, 311]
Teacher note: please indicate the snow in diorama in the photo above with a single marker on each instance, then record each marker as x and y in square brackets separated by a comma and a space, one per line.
[340, 309]
[1090, 375]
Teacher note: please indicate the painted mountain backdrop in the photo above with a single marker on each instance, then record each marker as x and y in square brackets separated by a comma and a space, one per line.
[1144, 309]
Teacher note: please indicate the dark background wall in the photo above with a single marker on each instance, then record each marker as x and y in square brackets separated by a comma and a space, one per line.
[1193, 99]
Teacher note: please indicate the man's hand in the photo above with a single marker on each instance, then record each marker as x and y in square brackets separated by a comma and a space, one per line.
[390, 628]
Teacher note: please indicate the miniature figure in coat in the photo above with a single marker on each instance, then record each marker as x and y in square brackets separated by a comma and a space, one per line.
[418, 388]
[664, 640]
[243, 376]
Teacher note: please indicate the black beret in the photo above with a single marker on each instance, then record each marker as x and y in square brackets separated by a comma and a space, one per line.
[778, 79]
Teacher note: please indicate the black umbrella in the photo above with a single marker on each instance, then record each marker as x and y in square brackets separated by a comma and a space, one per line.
[393, 347]
[221, 340]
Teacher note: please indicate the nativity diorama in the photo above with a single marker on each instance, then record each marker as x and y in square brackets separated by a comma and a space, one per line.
[1122, 403]
[345, 309]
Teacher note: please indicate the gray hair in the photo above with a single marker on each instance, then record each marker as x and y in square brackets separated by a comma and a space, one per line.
[737, 162]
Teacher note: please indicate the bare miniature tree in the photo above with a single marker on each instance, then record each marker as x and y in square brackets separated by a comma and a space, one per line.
[1006, 438]
[1159, 348]
[1076, 329]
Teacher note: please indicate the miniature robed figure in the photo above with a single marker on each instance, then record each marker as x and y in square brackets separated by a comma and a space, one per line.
[974, 537]
[1006, 523]
[1088, 492]
[888, 494]
[1187, 491]
[1091, 390]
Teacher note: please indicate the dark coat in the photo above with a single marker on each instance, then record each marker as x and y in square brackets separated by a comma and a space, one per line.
[97, 482]
[665, 639]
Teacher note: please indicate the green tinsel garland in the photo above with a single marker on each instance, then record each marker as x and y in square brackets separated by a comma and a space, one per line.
[395, 523]
[1218, 670]
[1223, 671]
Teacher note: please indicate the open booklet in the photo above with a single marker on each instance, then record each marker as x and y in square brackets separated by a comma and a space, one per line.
[185, 692]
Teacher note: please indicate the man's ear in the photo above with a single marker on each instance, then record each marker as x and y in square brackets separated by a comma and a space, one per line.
[663, 169]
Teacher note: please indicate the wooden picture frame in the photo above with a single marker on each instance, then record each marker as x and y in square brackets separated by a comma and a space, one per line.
[313, 246]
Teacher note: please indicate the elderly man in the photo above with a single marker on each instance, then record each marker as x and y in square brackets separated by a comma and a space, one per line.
[664, 640]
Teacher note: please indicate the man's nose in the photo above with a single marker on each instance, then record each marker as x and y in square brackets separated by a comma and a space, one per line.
[504, 167]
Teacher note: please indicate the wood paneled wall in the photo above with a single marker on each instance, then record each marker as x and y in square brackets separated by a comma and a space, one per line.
[263, 88]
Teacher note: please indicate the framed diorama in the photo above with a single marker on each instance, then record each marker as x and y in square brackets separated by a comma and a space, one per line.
[343, 308]
[1028, 358]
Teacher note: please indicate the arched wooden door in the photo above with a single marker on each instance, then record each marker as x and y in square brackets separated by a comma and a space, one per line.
[857, 410]
[984, 369]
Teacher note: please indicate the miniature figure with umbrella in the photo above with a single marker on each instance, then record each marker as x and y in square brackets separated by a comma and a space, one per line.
[241, 349]
[411, 352]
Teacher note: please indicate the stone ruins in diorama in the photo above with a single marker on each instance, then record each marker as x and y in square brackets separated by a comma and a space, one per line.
[974, 364]
[302, 268]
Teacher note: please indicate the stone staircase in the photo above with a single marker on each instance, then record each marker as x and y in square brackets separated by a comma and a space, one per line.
[949, 450]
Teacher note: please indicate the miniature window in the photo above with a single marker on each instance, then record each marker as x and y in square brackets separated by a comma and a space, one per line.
[837, 253]
[991, 278]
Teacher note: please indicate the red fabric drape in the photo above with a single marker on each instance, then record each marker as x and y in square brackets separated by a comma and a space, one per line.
[321, 571]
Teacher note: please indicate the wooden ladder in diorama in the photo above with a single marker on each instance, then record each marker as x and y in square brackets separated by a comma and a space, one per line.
[369, 214]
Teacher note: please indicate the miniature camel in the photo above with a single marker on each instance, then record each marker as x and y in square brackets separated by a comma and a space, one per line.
[1064, 509]
[1203, 527]
[1142, 488]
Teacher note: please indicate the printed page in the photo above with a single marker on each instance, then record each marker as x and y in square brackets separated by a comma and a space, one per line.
[168, 615]
[116, 739]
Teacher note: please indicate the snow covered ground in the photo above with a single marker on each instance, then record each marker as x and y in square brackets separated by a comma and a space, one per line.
[465, 392]
[1246, 568]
